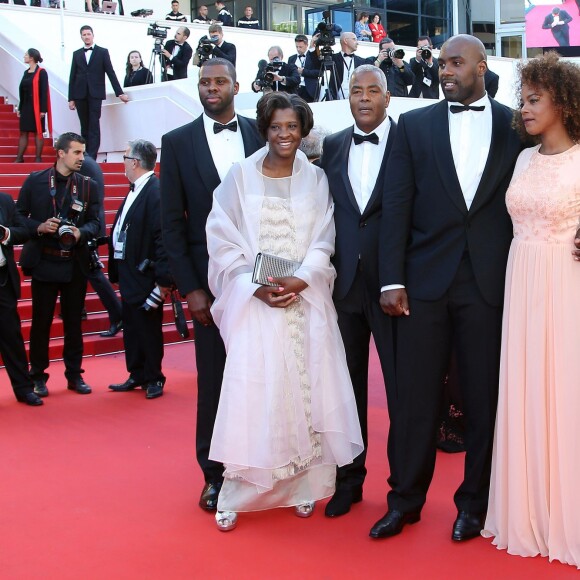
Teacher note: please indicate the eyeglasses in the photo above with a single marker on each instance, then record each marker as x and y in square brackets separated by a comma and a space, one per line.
[125, 157]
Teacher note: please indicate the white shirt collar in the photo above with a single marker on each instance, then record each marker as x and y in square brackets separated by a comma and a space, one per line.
[208, 122]
[140, 182]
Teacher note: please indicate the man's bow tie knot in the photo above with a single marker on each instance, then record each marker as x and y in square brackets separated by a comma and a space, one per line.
[218, 127]
[87, 49]
[372, 138]
[462, 108]
[132, 187]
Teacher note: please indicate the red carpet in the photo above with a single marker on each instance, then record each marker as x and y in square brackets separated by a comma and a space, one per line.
[106, 486]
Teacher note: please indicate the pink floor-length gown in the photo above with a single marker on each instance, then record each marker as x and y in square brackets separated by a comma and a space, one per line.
[534, 503]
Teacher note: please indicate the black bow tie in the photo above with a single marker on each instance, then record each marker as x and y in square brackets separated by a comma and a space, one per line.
[87, 49]
[462, 108]
[218, 127]
[372, 138]
[132, 187]
[347, 55]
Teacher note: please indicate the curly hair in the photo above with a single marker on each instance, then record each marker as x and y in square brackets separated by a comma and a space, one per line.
[562, 80]
[271, 102]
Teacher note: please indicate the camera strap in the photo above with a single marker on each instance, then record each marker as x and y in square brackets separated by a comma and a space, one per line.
[69, 189]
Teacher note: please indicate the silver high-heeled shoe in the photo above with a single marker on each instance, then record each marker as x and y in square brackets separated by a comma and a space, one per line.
[304, 509]
[226, 521]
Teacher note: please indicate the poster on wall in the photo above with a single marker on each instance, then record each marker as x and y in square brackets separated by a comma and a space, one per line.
[552, 23]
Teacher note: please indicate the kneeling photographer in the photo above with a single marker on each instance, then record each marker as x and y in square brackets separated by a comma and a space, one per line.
[135, 244]
[177, 54]
[398, 72]
[275, 74]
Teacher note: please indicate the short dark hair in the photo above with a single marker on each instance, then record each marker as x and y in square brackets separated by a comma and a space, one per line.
[221, 61]
[145, 152]
[376, 14]
[215, 28]
[385, 40]
[64, 141]
[301, 38]
[34, 54]
[363, 15]
[427, 38]
[174, 1]
[85, 27]
[279, 100]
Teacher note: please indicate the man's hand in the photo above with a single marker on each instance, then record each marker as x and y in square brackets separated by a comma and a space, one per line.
[166, 53]
[124, 98]
[50, 226]
[395, 302]
[314, 39]
[76, 233]
[398, 62]
[300, 70]
[278, 78]
[382, 55]
[71, 105]
[199, 303]
[576, 252]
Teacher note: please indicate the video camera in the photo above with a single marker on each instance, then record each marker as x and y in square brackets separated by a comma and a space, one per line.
[266, 72]
[159, 33]
[326, 40]
[205, 48]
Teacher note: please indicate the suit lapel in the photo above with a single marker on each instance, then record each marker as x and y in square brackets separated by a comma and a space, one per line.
[251, 144]
[139, 201]
[343, 164]
[444, 156]
[202, 156]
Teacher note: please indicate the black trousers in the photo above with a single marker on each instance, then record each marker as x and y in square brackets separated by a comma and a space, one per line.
[210, 358]
[143, 341]
[463, 320]
[11, 341]
[359, 317]
[303, 93]
[89, 112]
[72, 300]
[107, 294]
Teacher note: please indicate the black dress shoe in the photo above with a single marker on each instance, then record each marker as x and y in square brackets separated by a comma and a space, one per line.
[128, 385]
[392, 523]
[341, 501]
[467, 526]
[115, 328]
[31, 399]
[40, 387]
[79, 386]
[209, 496]
[154, 390]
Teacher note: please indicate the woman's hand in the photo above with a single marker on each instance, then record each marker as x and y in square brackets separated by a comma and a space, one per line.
[281, 296]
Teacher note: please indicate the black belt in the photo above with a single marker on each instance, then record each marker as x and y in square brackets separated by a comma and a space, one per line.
[58, 253]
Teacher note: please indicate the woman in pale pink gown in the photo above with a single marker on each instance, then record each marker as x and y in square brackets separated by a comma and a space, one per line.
[534, 503]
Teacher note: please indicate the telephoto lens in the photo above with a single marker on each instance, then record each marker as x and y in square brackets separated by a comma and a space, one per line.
[154, 300]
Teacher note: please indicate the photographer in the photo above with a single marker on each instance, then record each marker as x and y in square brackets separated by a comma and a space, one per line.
[60, 208]
[276, 75]
[221, 49]
[426, 70]
[177, 55]
[398, 72]
[345, 62]
[138, 263]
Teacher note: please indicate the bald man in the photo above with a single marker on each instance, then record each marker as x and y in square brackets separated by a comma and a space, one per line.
[445, 236]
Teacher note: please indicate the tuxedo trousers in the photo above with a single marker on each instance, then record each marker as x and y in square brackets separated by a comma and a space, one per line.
[463, 320]
[107, 294]
[359, 317]
[89, 112]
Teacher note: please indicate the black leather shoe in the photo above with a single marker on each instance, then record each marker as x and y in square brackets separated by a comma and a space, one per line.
[79, 386]
[128, 385]
[467, 526]
[40, 387]
[31, 399]
[115, 328]
[392, 523]
[154, 390]
[341, 501]
[209, 496]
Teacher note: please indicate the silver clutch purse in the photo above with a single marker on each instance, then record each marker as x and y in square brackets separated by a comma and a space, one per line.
[267, 266]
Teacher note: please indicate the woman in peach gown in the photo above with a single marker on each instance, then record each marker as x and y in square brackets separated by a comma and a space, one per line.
[534, 503]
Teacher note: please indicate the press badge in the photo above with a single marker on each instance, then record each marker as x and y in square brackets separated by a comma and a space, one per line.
[119, 253]
[427, 81]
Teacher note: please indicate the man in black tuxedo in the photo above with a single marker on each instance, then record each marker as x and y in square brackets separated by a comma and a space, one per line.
[177, 53]
[13, 231]
[194, 160]
[222, 49]
[426, 71]
[57, 258]
[86, 88]
[491, 81]
[557, 21]
[285, 78]
[445, 236]
[138, 263]
[398, 72]
[308, 68]
[354, 161]
[345, 62]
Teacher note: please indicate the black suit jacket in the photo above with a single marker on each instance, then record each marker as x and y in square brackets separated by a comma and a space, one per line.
[227, 50]
[357, 235]
[18, 235]
[491, 82]
[88, 80]
[180, 61]
[426, 226]
[188, 180]
[141, 77]
[336, 81]
[292, 79]
[311, 71]
[422, 71]
[144, 241]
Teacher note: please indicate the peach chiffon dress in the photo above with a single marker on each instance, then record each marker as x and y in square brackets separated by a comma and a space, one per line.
[534, 502]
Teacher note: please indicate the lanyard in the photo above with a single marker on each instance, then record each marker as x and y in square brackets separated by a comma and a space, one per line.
[52, 185]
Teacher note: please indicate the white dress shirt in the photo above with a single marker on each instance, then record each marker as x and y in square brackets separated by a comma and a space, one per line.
[131, 197]
[89, 53]
[226, 147]
[300, 61]
[364, 163]
[5, 241]
[348, 64]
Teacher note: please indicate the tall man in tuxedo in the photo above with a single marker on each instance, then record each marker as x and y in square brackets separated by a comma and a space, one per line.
[308, 68]
[354, 161]
[557, 21]
[86, 88]
[13, 231]
[194, 160]
[177, 54]
[345, 62]
[138, 263]
[445, 236]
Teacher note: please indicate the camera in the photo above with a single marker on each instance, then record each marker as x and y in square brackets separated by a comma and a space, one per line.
[142, 13]
[157, 31]
[425, 52]
[154, 300]
[325, 41]
[394, 53]
[266, 72]
[65, 232]
[94, 258]
[204, 49]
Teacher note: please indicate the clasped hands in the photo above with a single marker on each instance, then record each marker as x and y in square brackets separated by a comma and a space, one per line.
[285, 293]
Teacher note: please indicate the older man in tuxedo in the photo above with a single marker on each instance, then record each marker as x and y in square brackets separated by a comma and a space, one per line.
[345, 62]
[194, 160]
[445, 236]
[86, 88]
[354, 161]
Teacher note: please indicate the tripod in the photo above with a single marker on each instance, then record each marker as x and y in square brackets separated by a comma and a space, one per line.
[157, 47]
[325, 75]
